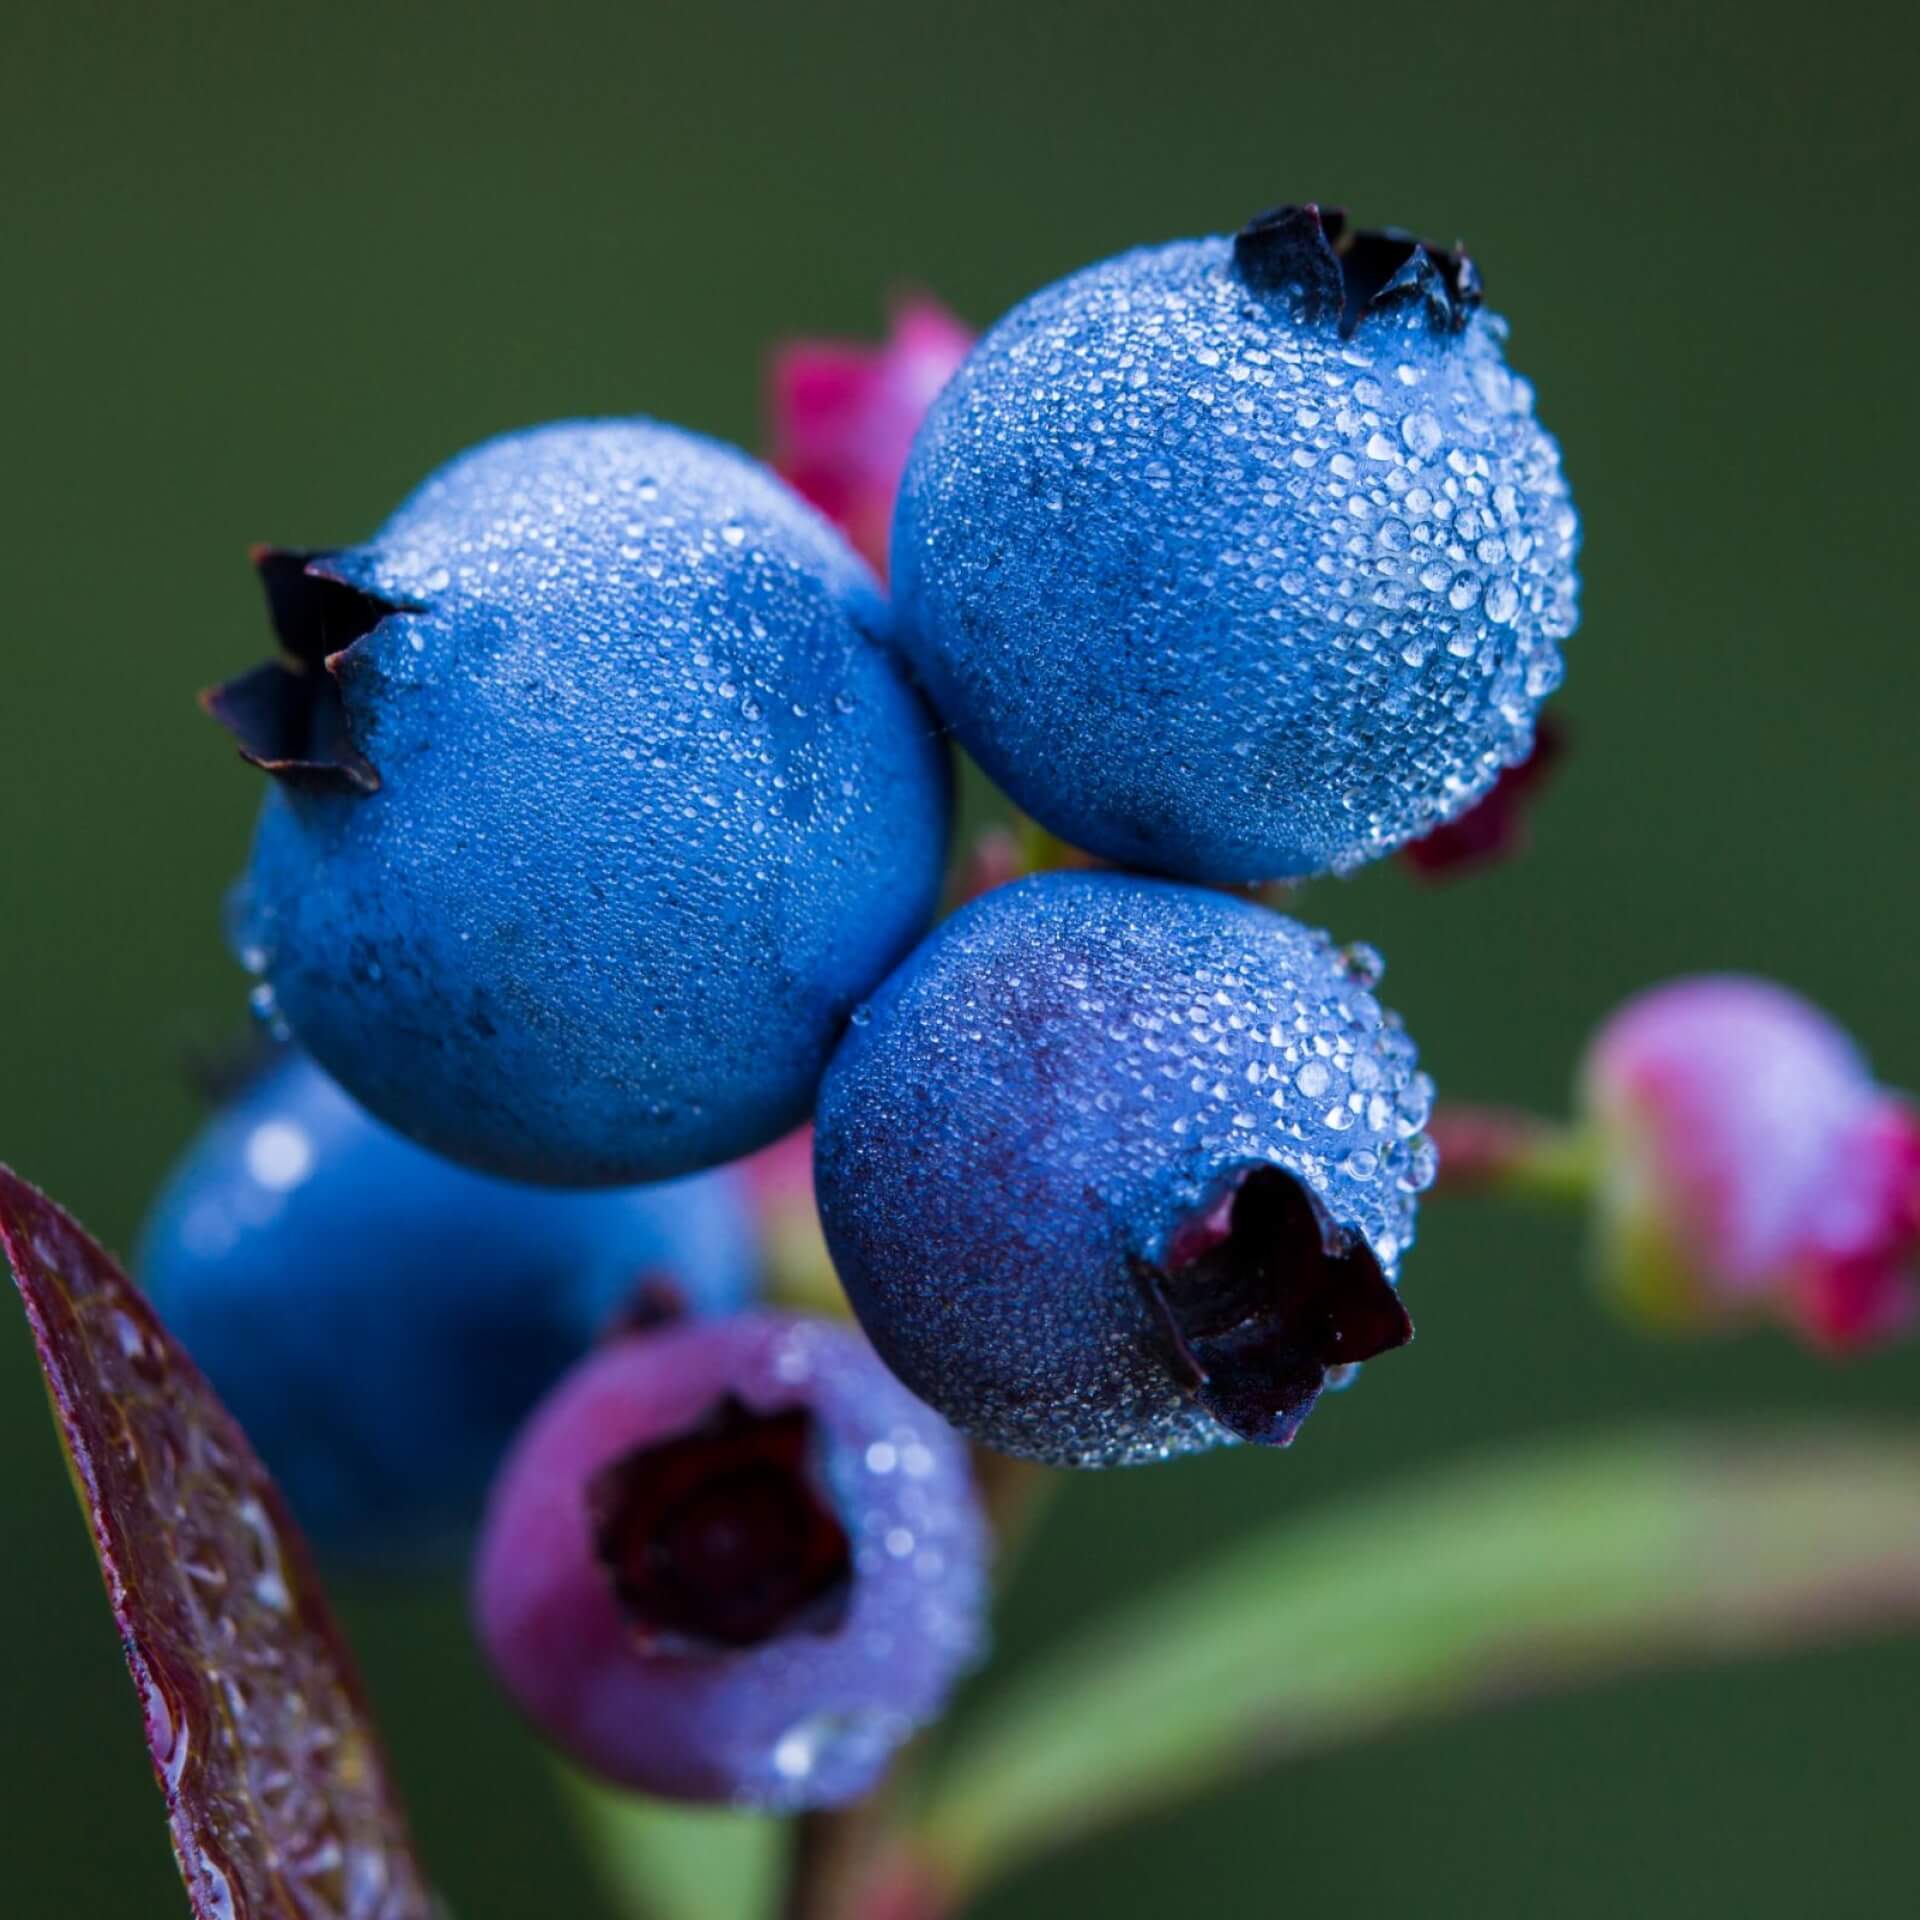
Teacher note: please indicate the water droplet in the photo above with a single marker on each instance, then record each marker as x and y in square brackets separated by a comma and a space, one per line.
[1421, 431]
[269, 1580]
[1364, 965]
[168, 1732]
[853, 1741]
[1423, 1162]
[265, 1009]
[240, 922]
[279, 1155]
[216, 1889]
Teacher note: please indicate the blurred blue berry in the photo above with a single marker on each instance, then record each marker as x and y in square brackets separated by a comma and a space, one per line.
[1114, 1169]
[1241, 559]
[380, 1321]
[734, 1561]
[597, 803]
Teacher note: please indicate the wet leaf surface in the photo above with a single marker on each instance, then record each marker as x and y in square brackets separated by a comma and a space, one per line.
[276, 1788]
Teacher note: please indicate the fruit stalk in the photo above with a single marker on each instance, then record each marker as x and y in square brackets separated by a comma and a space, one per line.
[855, 1863]
[1510, 1153]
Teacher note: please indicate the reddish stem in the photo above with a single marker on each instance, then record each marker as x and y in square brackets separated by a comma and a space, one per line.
[1485, 1149]
[901, 1887]
[851, 1863]
[1479, 1145]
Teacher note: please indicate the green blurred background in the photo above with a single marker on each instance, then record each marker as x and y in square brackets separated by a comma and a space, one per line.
[264, 267]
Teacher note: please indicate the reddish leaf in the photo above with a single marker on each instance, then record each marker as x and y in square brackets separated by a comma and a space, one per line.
[276, 1788]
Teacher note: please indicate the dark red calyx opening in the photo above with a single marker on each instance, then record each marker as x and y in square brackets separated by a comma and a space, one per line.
[1496, 825]
[288, 716]
[1345, 273]
[723, 1537]
[1262, 1304]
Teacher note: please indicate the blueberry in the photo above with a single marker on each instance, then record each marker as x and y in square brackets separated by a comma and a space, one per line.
[1114, 1169]
[733, 1561]
[380, 1320]
[1241, 558]
[597, 802]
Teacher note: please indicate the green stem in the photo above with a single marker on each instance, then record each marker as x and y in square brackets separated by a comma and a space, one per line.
[832, 1866]
[1550, 1567]
[1515, 1155]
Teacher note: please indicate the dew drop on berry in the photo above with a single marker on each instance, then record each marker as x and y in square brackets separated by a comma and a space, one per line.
[1364, 965]
[265, 1009]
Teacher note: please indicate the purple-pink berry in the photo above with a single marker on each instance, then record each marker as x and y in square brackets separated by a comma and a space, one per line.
[734, 1561]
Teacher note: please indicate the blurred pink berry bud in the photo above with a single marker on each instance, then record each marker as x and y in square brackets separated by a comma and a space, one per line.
[796, 1268]
[780, 1177]
[995, 858]
[844, 415]
[1751, 1168]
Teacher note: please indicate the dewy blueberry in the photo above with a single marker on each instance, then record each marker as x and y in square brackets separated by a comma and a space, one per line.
[597, 803]
[380, 1320]
[1751, 1168]
[733, 1561]
[1239, 559]
[1114, 1169]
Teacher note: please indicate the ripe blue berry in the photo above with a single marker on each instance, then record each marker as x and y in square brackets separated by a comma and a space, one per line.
[1238, 559]
[1114, 1169]
[597, 803]
[733, 1561]
[380, 1320]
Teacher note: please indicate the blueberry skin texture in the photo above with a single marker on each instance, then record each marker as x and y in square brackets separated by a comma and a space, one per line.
[380, 1321]
[1216, 592]
[806, 1719]
[1062, 1077]
[655, 808]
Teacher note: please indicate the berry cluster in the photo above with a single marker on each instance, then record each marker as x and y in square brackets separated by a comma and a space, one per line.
[609, 814]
